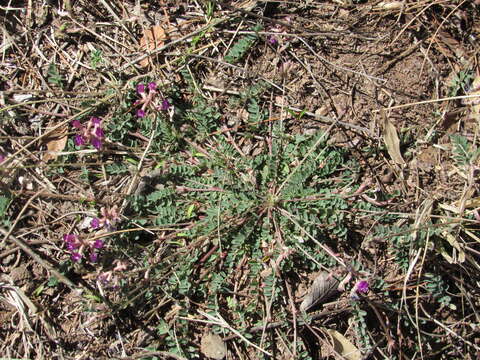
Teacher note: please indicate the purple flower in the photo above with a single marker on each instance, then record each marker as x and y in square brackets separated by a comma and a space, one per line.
[69, 238]
[79, 140]
[72, 241]
[91, 133]
[95, 120]
[362, 287]
[140, 89]
[272, 40]
[97, 143]
[95, 223]
[76, 257]
[72, 246]
[99, 132]
[76, 124]
[141, 113]
[165, 105]
[93, 257]
[98, 244]
[152, 86]
[2, 157]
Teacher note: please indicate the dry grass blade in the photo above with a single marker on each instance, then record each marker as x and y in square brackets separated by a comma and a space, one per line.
[218, 320]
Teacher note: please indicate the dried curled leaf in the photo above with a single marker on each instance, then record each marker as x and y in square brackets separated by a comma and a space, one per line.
[56, 142]
[392, 141]
[343, 346]
[324, 287]
[389, 5]
[152, 39]
[213, 347]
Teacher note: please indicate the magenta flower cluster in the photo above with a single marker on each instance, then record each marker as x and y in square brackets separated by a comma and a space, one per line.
[147, 99]
[78, 247]
[362, 287]
[92, 133]
[108, 219]
[272, 40]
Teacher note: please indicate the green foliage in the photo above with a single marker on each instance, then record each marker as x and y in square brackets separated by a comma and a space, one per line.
[361, 326]
[240, 48]
[235, 194]
[437, 288]
[232, 209]
[460, 83]
[53, 75]
[463, 153]
[400, 242]
[5, 201]
[96, 58]
[203, 116]
[117, 168]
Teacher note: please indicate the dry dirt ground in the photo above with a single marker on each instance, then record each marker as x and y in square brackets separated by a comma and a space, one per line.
[376, 74]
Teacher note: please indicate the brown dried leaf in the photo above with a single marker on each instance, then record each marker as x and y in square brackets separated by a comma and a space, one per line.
[389, 5]
[55, 142]
[324, 286]
[212, 346]
[392, 141]
[152, 39]
[343, 346]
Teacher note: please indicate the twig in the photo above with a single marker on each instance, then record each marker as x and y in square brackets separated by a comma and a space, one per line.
[276, 324]
[221, 322]
[338, 66]
[50, 195]
[428, 102]
[171, 43]
[148, 354]
[447, 329]
[52, 130]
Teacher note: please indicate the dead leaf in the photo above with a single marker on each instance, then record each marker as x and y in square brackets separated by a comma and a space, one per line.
[392, 141]
[152, 39]
[212, 346]
[56, 142]
[389, 5]
[324, 286]
[343, 346]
